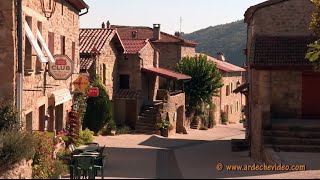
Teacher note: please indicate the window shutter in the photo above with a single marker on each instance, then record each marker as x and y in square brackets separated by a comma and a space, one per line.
[51, 42]
[63, 45]
[73, 51]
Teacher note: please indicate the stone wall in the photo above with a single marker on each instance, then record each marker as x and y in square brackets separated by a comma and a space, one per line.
[284, 19]
[286, 94]
[170, 55]
[21, 170]
[108, 58]
[33, 82]
[233, 101]
[187, 51]
[175, 107]
[7, 50]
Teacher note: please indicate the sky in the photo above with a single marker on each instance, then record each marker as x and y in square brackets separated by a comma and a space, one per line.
[195, 14]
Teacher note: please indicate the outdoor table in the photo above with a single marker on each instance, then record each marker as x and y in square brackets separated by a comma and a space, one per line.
[88, 148]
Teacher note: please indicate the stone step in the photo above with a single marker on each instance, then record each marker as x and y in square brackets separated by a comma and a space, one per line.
[290, 141]
[142, 125]
[294, 148]
[146, 119]
[307, 126]
[147, 132]
[148, 115]
[297, 134]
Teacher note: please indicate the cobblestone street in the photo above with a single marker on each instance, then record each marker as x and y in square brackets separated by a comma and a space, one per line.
[195, 155]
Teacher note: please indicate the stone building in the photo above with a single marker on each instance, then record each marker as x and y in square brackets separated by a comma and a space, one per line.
[281, 82]
[42, 96]
[130, 69]
[230, 103]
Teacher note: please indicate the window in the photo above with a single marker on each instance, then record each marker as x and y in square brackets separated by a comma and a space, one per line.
[231, 90]
[227, 90]
[28, 48]
[51, 42]
[29, 122]
[73, 51]
[39, 67]
[63, 45]
[230, 109]
[237, 106]
[124, 81]
[62, 6]
[104, 74]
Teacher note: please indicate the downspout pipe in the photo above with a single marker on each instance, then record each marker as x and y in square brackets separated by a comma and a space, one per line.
[86, 12]
[19, 74]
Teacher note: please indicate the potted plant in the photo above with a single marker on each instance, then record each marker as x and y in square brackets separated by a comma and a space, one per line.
[163, 126]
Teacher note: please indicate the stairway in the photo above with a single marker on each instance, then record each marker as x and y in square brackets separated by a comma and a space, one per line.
[195, 125]
[147, 119]
[295, 136]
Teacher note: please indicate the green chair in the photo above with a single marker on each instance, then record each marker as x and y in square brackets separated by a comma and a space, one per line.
[84, 166]
[99, 165]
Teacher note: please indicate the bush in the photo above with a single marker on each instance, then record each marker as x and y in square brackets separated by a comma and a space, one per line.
[124, 130]
[9, 117]
[224, 117]
[85, 136]
[73, 127]
[203, 127]
[43, 162]
[98, 112]
[212, 121]
[163, 124]
[15, 147]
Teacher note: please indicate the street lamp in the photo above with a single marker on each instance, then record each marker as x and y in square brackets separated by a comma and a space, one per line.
[48, 8]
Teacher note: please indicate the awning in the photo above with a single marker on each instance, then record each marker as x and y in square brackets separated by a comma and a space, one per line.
[34, 43]
[127, 94]
[86, 63]
[45, 46]
[61, 96]
[241, 88]
[166, 73]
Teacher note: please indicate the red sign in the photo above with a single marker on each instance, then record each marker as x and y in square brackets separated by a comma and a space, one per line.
[93, 92]
[61, 62]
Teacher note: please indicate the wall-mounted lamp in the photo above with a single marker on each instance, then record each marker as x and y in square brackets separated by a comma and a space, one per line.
[48, 7]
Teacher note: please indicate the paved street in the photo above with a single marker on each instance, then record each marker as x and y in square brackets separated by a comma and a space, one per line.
[190, 156]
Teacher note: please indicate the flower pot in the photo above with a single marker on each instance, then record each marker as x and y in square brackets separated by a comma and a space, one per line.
[164, 132]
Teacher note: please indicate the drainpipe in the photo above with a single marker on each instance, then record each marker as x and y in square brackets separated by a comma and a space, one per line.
[19, 74]
[86, 12]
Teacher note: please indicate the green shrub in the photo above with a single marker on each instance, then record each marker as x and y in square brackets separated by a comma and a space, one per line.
[58, 169]
[15, 147]
[163, 124]
[98, 113]
[224, 117]
[85, 136]
[212, 121]
[9, 117]
[203, 127]
[124, 130]
[43, 158]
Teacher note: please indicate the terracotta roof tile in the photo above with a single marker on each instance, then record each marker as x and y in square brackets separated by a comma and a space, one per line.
[94, 39]
[133, 46]
[86, 63]
[225, 66]
[281, 50]
[125, 32]
[127, 94]
[166, 73]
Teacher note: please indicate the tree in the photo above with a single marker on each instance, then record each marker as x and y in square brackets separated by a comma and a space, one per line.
[205, 83]
[314, 48]
[98, 112]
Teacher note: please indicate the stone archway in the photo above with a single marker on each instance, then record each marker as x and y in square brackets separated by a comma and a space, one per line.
[180, 119]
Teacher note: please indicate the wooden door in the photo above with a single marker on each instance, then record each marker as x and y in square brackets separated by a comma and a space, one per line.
[310, 95]
[131, 113]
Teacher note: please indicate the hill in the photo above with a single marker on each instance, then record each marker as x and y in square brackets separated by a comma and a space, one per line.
[227, 38]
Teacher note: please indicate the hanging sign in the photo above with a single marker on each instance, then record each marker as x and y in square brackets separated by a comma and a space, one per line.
[62, 68]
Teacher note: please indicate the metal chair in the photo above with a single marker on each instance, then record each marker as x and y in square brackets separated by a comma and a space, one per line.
[84, 166]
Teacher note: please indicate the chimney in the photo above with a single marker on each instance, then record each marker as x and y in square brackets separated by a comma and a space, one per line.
[156, 31]
[220, 56]
[103, 26]
[177, 33]
[108, 25]
[134, 34]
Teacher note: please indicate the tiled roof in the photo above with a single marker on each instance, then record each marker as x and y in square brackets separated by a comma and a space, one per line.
[166, 73]
[133, 46]
[79, 4]
[251, 10]
[281, 50]
[225, 66]
[93, 40]
[86, 63]
[125, 32]
[127, 94]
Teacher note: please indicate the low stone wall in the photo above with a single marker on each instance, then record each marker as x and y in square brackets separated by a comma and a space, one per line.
[22, 170]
